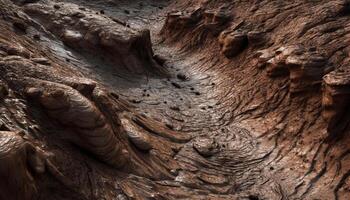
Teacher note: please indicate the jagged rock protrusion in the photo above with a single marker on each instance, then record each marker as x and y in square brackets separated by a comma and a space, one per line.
[177, 22]
[196, 25]
[305, 71]
[335, 101]
[232, 43]
[256, 38]
[276, 66]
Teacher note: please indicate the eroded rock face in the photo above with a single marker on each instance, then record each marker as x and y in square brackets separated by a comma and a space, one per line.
[72, 109]
[85, 30]
[305, 71]
[19, 162]
[276, 66]
[305, 67]
[256, 38]
[335, 101]
[232, 43]
[216, 16]
[197, 25]
[180, 21]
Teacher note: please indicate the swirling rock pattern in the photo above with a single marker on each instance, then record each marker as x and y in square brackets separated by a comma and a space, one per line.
[245, 125]
[70, 108]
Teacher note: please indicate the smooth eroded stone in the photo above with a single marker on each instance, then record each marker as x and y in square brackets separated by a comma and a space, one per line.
[141, 141]
[42, 61]
[206, 146]
[71, 38]
[136, 136]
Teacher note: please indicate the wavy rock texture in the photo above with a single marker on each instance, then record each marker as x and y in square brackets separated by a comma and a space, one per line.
[163, 99]
[85, 30]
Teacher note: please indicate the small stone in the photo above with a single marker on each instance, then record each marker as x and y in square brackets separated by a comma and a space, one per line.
[174, 172]
[213, 179]
[71, 38]
[33, 92]
[42, 61]
[206, 146]
[122, 197]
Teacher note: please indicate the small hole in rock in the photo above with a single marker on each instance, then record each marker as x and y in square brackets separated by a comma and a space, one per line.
[253, 197]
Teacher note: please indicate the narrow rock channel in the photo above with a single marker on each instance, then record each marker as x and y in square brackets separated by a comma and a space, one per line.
[174, 99]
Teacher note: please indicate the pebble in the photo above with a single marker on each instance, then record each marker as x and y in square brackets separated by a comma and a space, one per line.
[206, 146]
[42, 61]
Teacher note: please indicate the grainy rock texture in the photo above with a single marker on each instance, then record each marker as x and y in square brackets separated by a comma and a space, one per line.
[165, 99]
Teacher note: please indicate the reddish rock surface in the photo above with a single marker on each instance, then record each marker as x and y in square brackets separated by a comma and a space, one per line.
[163, 99]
